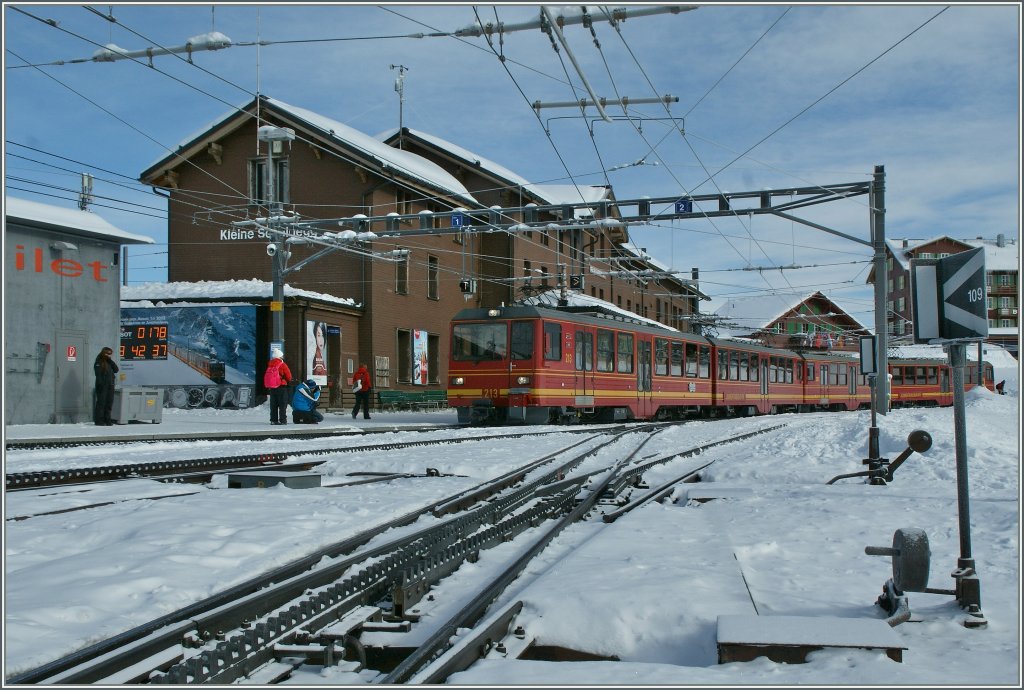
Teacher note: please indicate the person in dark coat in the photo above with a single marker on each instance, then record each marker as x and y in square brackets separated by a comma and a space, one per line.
[304, 402]
[361, 387]
[105, 368]
[276, 380]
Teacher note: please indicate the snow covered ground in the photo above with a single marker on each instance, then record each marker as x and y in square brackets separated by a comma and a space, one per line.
[647, 589]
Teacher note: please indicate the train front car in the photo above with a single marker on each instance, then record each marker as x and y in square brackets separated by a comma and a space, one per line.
[492, 366]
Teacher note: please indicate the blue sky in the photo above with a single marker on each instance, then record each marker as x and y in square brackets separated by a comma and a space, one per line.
[932, 94]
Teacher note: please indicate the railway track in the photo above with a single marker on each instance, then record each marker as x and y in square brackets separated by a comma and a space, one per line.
[267, 628]
[200, 469]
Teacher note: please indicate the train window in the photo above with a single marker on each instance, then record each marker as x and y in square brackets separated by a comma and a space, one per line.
[754, 367]
[705, 362]
[933, 376]
[552, 341]
[605, 351]
[897, 376]
[625, 360]
[788, 366]
[919, 376]
[944, 379]
[522, 339]
[833, 374]
[584, 351]
[677, 359]
[810, 371]
[723, 365]
[842, 380]
[691, 359]
[661, 356]
[734, 366]
[477, 341]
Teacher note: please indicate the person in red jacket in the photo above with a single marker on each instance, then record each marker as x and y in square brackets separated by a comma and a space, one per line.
[361, 387]
[276, 379]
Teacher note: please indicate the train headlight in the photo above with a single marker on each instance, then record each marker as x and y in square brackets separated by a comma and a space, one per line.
[523, 381]
[458, 380]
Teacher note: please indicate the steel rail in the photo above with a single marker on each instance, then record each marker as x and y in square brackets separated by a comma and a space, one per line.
[150, 638]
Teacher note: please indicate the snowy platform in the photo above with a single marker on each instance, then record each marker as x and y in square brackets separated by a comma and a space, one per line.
[789, 639]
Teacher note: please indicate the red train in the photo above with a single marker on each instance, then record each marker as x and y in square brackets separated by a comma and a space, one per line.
[541, 365]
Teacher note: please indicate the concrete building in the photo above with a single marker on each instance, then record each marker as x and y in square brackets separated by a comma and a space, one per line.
[61, 294]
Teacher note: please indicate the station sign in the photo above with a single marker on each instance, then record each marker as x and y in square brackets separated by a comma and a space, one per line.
[949, 299]
[684, 206]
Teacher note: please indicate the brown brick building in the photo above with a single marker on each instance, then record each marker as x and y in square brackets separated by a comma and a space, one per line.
[403, 270]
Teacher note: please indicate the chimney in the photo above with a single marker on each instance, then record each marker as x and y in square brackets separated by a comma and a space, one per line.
[695, 273]
[906, 243]
[1000, 240]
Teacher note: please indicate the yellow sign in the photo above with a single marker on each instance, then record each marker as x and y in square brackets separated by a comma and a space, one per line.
[277, 306]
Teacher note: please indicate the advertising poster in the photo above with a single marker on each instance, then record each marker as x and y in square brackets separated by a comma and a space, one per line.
[316, 352]
[420, 375]
[200, 356]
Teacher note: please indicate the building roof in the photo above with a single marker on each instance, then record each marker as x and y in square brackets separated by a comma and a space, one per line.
[71, 220]
[1004, 258]
[402, 163]
[750, 314]
[221, 290]
[551, 194]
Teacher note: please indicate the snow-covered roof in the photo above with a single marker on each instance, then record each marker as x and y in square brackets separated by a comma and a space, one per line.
[77, 222]
[459, 152]
[1005, 258]
[753, 313]
[403, 163]
[576, 299]
[552, 194]
[221, 289]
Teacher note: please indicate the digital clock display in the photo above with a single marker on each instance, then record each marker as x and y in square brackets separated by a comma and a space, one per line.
[144, 341]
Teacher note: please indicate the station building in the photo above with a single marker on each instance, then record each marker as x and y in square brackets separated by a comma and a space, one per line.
[61, 307]
[408, 271]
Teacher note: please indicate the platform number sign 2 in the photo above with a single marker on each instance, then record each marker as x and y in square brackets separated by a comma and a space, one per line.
[949, 297]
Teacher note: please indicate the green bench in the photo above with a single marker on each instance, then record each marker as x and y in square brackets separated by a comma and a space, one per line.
[392, 400]
[412, 400]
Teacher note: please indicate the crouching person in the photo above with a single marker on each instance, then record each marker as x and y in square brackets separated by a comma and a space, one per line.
[304, 402]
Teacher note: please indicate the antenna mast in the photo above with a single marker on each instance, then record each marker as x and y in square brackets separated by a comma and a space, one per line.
[400, 90]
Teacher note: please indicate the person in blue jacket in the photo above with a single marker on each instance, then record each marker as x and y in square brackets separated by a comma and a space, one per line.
[304, 402]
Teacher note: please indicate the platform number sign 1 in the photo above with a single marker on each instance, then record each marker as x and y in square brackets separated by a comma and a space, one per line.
[949, 297]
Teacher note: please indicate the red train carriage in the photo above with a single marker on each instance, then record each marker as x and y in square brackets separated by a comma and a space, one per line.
[832, 381]
[536, 365]
[929, 382]
[752, 379]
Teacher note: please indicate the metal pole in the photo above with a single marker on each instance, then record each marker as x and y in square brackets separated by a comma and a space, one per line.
[877, 197]
[957, 358]
[277, 273]
[968, 586]
[981, 366]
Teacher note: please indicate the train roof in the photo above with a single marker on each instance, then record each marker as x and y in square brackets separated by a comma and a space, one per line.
[590, 314]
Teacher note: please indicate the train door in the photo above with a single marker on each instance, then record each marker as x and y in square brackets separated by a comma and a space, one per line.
[763, 385]
[823, 385]
[643, 378]
[852, 375]
[584, 360]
